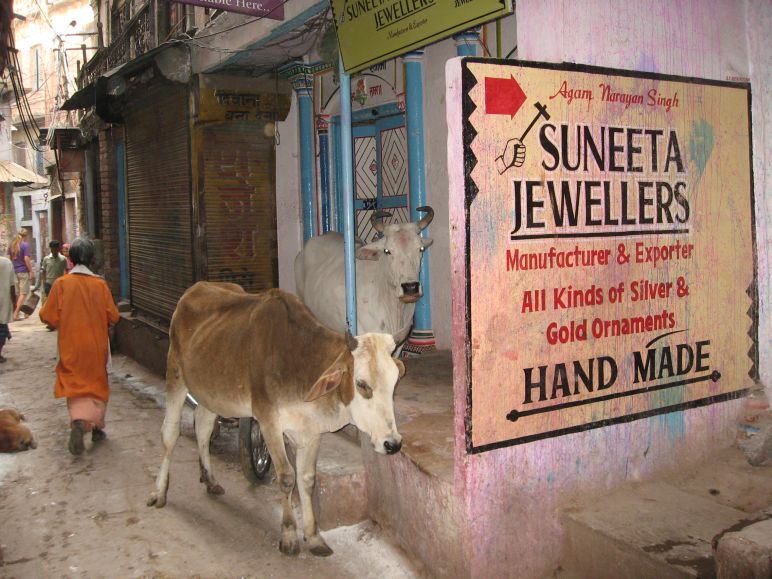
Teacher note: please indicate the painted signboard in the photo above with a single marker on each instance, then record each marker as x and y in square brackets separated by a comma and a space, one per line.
[610, 246]
[241, 99]
[371, 31]
[273, 9]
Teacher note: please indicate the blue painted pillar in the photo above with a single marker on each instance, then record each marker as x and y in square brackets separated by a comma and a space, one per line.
[322, 129]
[302, 79]
[422, 337]
[467, 42]
[347, 180]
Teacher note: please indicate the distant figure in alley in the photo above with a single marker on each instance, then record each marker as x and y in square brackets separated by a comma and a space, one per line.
[7, 301]
[18, 251]
[53, 266]
[81, 307]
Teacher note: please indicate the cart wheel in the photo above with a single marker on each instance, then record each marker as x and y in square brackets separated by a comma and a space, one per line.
[253, 453]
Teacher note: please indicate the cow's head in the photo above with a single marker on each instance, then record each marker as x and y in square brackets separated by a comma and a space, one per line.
[399, 252]
[367, 387]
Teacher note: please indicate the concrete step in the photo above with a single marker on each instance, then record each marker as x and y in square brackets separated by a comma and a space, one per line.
[746, 553]
[651, 531]
[340, 482]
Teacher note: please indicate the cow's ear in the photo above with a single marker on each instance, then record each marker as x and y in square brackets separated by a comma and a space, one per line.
[326, 383]
[369, 252]
[427, 241]
[400, 367]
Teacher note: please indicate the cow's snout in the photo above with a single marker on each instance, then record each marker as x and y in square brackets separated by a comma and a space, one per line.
[392, 446]
[411, 292]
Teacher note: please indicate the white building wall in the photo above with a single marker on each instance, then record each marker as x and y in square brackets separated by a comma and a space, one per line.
[288, 219]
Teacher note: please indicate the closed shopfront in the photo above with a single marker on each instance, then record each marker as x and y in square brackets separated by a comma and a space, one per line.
[158, 198]
[239, 205]
[233, 144]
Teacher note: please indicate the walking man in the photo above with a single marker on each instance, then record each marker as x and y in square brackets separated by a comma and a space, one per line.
[52, 268]
[81, 307]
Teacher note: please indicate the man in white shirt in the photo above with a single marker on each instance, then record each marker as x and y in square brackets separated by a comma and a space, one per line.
[7, 301]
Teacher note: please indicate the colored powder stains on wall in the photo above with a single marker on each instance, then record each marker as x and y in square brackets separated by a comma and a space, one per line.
[672, 423]
[701, 141]
[646, 63]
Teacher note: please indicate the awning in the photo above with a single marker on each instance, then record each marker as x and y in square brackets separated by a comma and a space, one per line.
[82, 99]
[11, 172]
[107, 90]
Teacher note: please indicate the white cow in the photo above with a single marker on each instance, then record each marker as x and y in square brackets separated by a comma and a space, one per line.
[387, 277]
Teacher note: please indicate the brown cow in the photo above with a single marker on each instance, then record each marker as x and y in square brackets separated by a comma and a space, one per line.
[266, 356]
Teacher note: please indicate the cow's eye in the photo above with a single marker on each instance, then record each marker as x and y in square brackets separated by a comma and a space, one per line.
[364, 389]
[386, 251]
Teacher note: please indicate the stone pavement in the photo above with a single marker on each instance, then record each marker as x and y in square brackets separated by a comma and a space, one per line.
[65, 516]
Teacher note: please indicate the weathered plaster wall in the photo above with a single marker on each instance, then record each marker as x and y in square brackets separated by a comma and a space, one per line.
[759, 23]
[513, 495]
[288, 219]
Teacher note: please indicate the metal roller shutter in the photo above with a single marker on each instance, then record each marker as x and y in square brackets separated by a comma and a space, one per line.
[239, 206]
[158, 199]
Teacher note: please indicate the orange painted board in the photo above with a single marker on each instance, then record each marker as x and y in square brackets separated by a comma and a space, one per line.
[611, 271]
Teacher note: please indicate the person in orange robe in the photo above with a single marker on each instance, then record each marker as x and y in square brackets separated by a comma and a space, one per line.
[81, 307]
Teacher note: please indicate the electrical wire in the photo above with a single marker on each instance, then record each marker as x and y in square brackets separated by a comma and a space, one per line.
[27, 117]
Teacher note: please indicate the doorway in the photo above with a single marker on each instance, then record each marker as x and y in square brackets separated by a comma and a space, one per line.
[380, 168]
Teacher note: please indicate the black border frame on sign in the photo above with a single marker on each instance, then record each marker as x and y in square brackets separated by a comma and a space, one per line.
[468, 81]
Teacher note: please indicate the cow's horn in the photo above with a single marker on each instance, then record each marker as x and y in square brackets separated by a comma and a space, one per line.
[426, 219]
[351, 341]
[377, 220]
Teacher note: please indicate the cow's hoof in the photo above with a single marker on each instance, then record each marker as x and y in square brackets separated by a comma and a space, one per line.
[319, 548]
[156, 501]
[290, 547]
[215, 490]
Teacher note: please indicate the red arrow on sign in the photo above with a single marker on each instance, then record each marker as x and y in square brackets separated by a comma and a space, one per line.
[503, 96]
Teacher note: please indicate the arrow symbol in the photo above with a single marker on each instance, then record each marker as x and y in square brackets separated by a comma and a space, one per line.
[503, 96]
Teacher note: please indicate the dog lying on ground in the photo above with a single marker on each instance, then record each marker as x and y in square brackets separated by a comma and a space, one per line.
[14, 436]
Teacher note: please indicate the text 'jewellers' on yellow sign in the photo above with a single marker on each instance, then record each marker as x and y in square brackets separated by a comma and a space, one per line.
[371, 31]
[610, 247]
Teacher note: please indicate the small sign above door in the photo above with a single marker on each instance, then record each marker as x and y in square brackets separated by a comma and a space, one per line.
[273, 9]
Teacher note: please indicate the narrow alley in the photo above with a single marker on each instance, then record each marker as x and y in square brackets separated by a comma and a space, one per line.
[66, 516]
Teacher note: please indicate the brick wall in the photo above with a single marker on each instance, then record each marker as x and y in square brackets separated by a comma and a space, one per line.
[108, 196]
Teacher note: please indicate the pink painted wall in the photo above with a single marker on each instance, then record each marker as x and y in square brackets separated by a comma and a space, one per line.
[513, 496]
